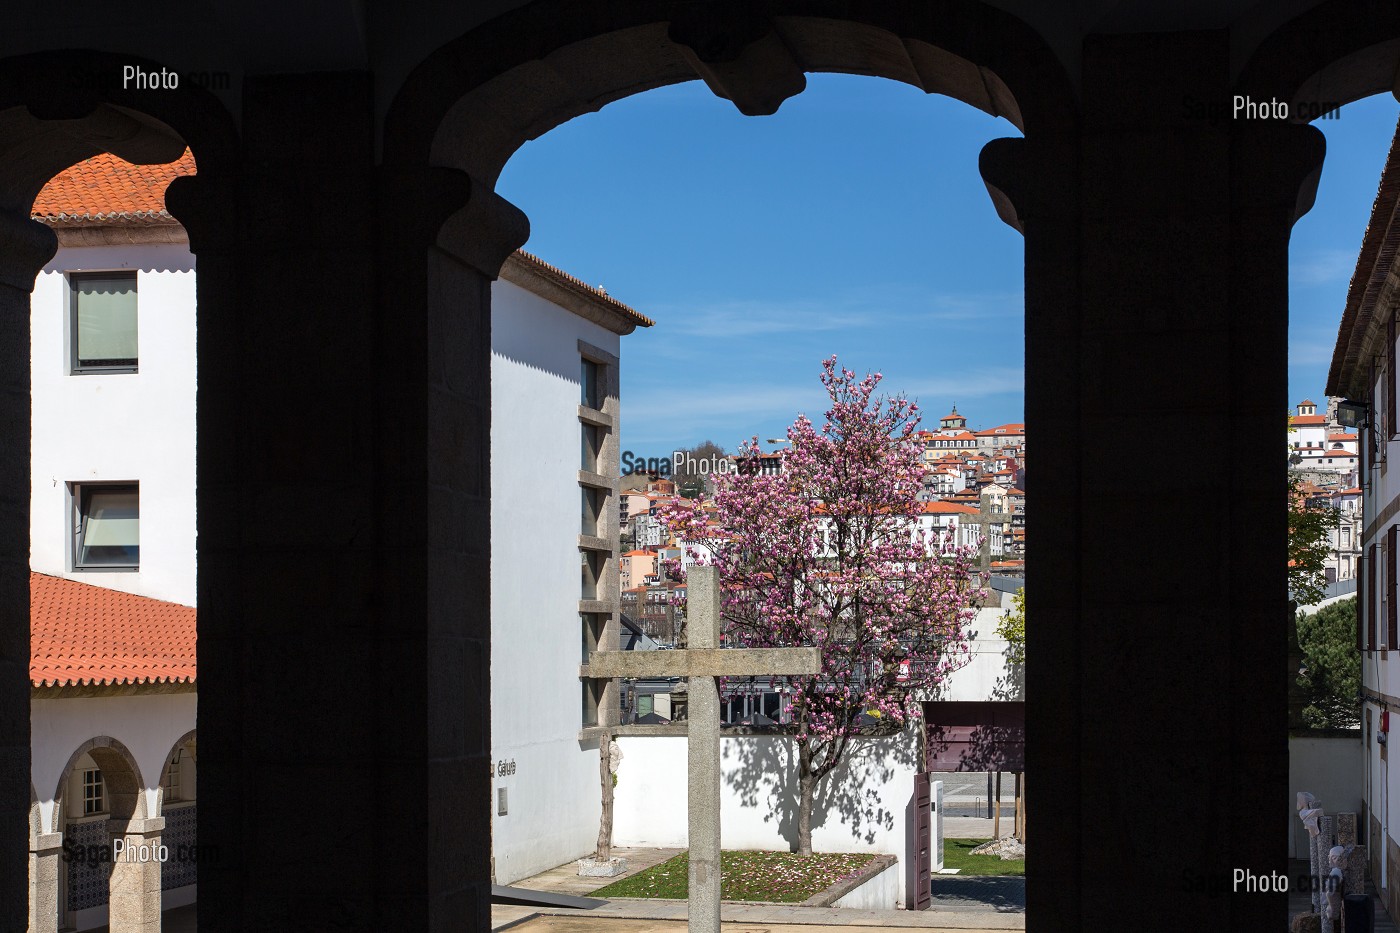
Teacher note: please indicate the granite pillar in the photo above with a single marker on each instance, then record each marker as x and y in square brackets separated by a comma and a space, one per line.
[133, 900]
[45, 862]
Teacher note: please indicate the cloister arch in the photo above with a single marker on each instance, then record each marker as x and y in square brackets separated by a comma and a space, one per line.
[1155, 247]
[123, 813]
[183, 743]
[472, 104]
[57, 109]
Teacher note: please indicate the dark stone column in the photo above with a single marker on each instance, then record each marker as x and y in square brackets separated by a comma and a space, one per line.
[24, 248]
[313, 671]
[1156, 303]
[344, 584]
[1034, 183]
[442, 237]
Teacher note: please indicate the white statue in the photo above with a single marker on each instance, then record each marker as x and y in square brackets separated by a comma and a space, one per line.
[1336, 856]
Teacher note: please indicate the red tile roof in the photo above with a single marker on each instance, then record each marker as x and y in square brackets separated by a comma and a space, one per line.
[83, 634]
[1309, 420]
[945, 508]
[107, 189]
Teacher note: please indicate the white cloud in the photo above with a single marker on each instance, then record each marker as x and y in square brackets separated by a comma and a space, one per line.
[1322, 266]
[881, 306]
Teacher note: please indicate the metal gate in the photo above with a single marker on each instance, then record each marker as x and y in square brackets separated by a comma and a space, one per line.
[920, 858]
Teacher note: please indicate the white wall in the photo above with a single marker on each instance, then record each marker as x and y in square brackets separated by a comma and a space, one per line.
[986, 675]
[134, 426]
[149, 726]
[862, 806]
[536, 642]
[1333, 770]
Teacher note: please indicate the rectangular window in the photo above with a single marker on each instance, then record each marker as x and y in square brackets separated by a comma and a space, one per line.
[1371, 577]
[590, 384]
[592, 624]
[1390, 426]
[592, 572]
[102, 330]
[591, 510]
[93, 797]
[1392, 641]
[592, 700]
[107, 533]
[591, 445]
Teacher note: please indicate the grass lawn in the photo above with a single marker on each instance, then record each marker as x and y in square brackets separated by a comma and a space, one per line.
[748, 876]
[955, 855]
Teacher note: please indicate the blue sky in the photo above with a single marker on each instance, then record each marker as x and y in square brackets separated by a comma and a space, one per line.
[853, 221]
[1322, 253]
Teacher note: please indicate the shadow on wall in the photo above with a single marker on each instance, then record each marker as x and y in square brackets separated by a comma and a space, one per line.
[1011, 684]
[762, 772]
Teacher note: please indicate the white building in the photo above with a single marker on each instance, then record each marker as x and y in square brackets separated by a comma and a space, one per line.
[1345, 559]
[648, 531]
[112, 547]
[555, 344]
[960, 522]
[1366, 371]
[113, 550]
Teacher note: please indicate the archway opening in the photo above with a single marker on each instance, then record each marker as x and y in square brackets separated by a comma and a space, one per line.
[851, 222]
[1342, 534]
[99, 794]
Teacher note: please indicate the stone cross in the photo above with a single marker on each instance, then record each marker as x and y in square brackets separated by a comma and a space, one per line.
[701, 663]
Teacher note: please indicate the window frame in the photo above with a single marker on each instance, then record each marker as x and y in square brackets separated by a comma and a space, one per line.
[78, 519]
[76, 367]
[94, 792]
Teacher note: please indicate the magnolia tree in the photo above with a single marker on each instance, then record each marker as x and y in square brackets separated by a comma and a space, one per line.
[831, 552]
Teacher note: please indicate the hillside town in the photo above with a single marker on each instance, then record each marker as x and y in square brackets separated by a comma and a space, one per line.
[972, 497]
[1324, 456]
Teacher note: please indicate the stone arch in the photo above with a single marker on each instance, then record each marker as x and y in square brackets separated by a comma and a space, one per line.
[1337, 52]
[471, 104]
[59, 108]
[120, 772]
[186, 739]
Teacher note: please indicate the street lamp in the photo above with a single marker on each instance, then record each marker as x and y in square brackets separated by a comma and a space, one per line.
[1351, 414]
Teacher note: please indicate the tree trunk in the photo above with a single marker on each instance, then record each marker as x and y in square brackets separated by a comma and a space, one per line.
[805, 782]
[605, 821]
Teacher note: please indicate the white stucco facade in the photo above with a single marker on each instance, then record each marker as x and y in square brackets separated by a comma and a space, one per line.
[122, 428]
[118, 427]
[549, 775]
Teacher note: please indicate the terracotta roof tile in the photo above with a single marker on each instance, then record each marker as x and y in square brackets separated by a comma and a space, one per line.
[84, 634]
[106, 189]
[947, 508]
